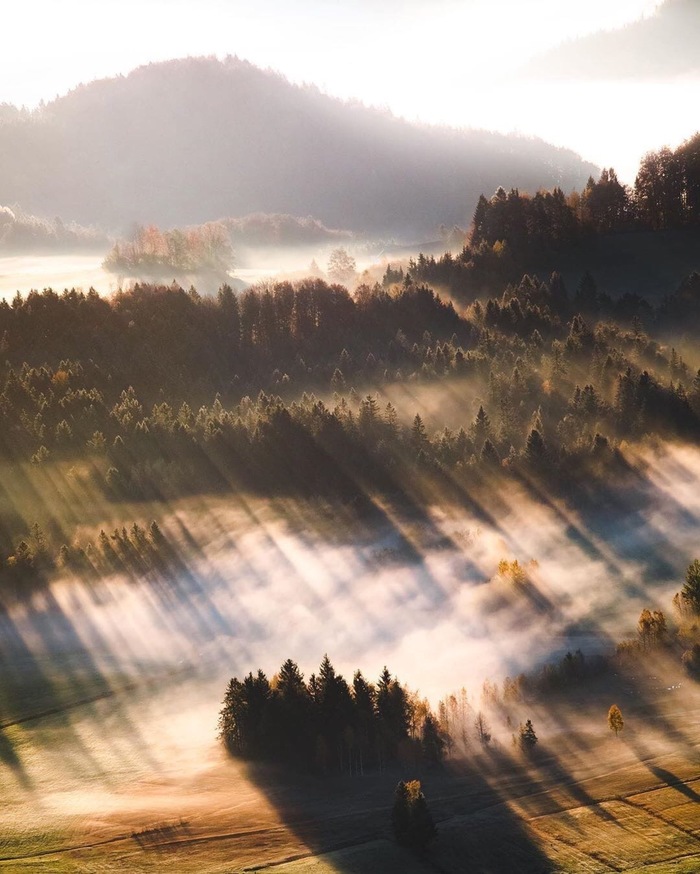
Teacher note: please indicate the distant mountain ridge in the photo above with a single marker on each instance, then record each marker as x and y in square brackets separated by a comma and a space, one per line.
[663, 45]
[186, 141]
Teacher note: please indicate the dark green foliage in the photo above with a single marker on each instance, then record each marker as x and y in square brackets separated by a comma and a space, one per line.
[691, 660]
[83, 350]
[411, 820]
[324, 724]
[139, 399]
[512, 232]
[535, 448]
[432, 742]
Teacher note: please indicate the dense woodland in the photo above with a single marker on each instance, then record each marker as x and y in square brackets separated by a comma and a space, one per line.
[666, 194]
[21, 232]
[551, 390]
[282, 389]
[513, 231]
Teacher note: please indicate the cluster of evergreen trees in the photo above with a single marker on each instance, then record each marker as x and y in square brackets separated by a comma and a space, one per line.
[327, 724]
[666, 194]
[136, 551]
[159, 338]
[513, 231]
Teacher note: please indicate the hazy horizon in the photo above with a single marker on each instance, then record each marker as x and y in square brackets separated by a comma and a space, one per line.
[445, 63]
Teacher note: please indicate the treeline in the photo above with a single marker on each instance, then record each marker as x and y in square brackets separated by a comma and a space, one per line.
[21, 232]
[513, 230]
[666, 194]
[152, 252]
[165, 339]
[327, 724]
[261, 229]
[136, 551]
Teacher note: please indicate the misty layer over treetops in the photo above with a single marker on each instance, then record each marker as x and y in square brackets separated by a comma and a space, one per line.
[228, 139]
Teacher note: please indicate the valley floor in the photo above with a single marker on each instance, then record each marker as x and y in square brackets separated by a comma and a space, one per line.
[588, 802]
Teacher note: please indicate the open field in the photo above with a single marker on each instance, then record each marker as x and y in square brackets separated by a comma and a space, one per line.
[588, 803]
[25, 272]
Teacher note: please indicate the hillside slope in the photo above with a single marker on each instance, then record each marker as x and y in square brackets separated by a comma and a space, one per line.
[191, 140]
[664, 45]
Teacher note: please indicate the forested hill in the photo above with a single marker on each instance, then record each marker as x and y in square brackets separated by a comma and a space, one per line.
[662, 45]
[191, 140]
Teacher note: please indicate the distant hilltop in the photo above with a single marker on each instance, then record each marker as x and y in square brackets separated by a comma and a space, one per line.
[188, 140]
[663, 45]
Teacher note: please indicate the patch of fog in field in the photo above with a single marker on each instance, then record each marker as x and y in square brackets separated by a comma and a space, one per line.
[26, 272]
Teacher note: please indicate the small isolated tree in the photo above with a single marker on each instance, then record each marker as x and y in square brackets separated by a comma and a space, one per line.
[527, 738]
[615, 721]
[410, 818]
[341, 266]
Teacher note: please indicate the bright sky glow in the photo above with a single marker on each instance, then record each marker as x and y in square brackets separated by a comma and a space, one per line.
[442, 61]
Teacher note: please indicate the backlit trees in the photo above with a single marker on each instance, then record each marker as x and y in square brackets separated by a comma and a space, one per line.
[342, 267]
[615, 721]
[527, 737]
[690, 593]
[411, 820]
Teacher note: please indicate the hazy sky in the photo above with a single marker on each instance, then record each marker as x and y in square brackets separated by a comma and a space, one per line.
[444, 61]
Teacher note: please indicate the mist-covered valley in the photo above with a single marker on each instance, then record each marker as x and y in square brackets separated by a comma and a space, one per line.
[349, 464]
[387, 589]
[111, 687]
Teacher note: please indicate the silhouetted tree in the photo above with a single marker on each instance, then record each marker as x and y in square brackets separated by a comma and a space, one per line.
[432, 742]
[410, 818]
[527, 737]
[690, 593]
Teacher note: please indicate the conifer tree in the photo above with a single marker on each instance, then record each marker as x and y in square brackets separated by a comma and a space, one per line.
[528, 738]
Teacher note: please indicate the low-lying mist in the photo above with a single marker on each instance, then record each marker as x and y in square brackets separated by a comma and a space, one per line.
[418, 591]
[127, 675]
